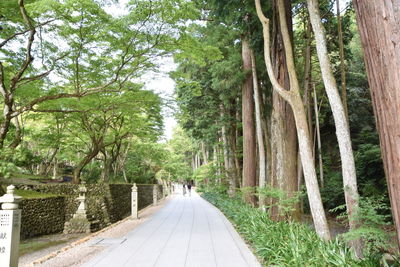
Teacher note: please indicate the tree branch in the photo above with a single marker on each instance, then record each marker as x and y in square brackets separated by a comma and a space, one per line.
[3, 43]
[28, 57]
[30, 105]
[26, 80]
[287, 95]
[3, 89]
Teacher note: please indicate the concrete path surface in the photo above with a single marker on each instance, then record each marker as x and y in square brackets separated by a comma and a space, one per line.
[188, 232]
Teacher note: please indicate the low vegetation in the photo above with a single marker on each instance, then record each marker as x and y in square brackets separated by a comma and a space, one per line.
[283, 243]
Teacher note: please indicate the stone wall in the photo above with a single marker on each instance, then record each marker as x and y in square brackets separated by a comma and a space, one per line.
[41, 216]
[106, 204]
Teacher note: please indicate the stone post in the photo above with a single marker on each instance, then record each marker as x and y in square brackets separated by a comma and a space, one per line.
[155, 197]
[10, 227]
[134, 202]
[79, 222]
[165, 189]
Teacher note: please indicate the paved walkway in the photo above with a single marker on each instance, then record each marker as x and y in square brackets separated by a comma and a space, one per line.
[188, 232]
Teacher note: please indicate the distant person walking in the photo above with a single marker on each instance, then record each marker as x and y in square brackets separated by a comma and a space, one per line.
[189, 186]
[184, 190]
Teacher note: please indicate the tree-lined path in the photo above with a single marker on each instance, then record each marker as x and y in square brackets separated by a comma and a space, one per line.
[188, 231]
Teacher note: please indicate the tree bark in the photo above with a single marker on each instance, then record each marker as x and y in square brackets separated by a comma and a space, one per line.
[283, 127]
[342, 60]
[96, 146]
[321, 166]
[379, 26]
[204, 152]
[249, 141]
[82, 164]
[341, 123]
[294, 99]
[260, 138]
[228, 159]
[18, 133]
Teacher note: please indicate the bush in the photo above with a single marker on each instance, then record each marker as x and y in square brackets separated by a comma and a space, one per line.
[373, 216]
[282, 243]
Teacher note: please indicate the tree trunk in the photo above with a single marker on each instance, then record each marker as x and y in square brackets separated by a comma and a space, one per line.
[379, 25]
[5, 127]
[321, 166]
[249, 141]
[260, 138]
[283, 129]
[47, 165]
[294, 99]
[234, 140]
[204, 152]
[107, 168]
[341, 123]
[55, 168]
[342, 62]
[82, 164]
[18, 133]
[228, 159]
[307, 102]
[307, 77]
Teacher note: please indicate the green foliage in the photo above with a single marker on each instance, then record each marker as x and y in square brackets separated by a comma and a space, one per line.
[370, 170]
[282, 243]
[12, 160]
[372, 216]
[179, 156]
[286, 205]
[204, 172]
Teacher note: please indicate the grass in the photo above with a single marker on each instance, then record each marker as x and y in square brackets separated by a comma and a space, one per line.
[28, 194]
[283, 243]
[28, 176]
[42, 242]
[33, 246]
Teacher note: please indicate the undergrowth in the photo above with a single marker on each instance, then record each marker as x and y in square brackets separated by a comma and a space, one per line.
[283, 243]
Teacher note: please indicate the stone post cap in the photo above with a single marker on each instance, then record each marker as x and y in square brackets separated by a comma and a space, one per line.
[10, 200]
[82, 188]
[134, 187]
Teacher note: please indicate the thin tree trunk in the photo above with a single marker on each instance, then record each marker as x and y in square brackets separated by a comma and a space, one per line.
[235, 146]
[249, 141]
[321, 166]
[48, 162]
[379, 26]
[55, 168]
[307, 102]
[294, 99]
[342, 62]
[341, 123]
[260, 139]
[204, 152]
[307, 76]
[82, 164]
[193, 162]
[125, 177]
[18, 133]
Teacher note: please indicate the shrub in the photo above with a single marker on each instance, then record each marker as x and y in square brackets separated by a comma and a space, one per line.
[373, 214]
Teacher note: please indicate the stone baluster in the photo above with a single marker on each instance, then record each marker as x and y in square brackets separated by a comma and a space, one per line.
[10, 227]
[134, 202]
